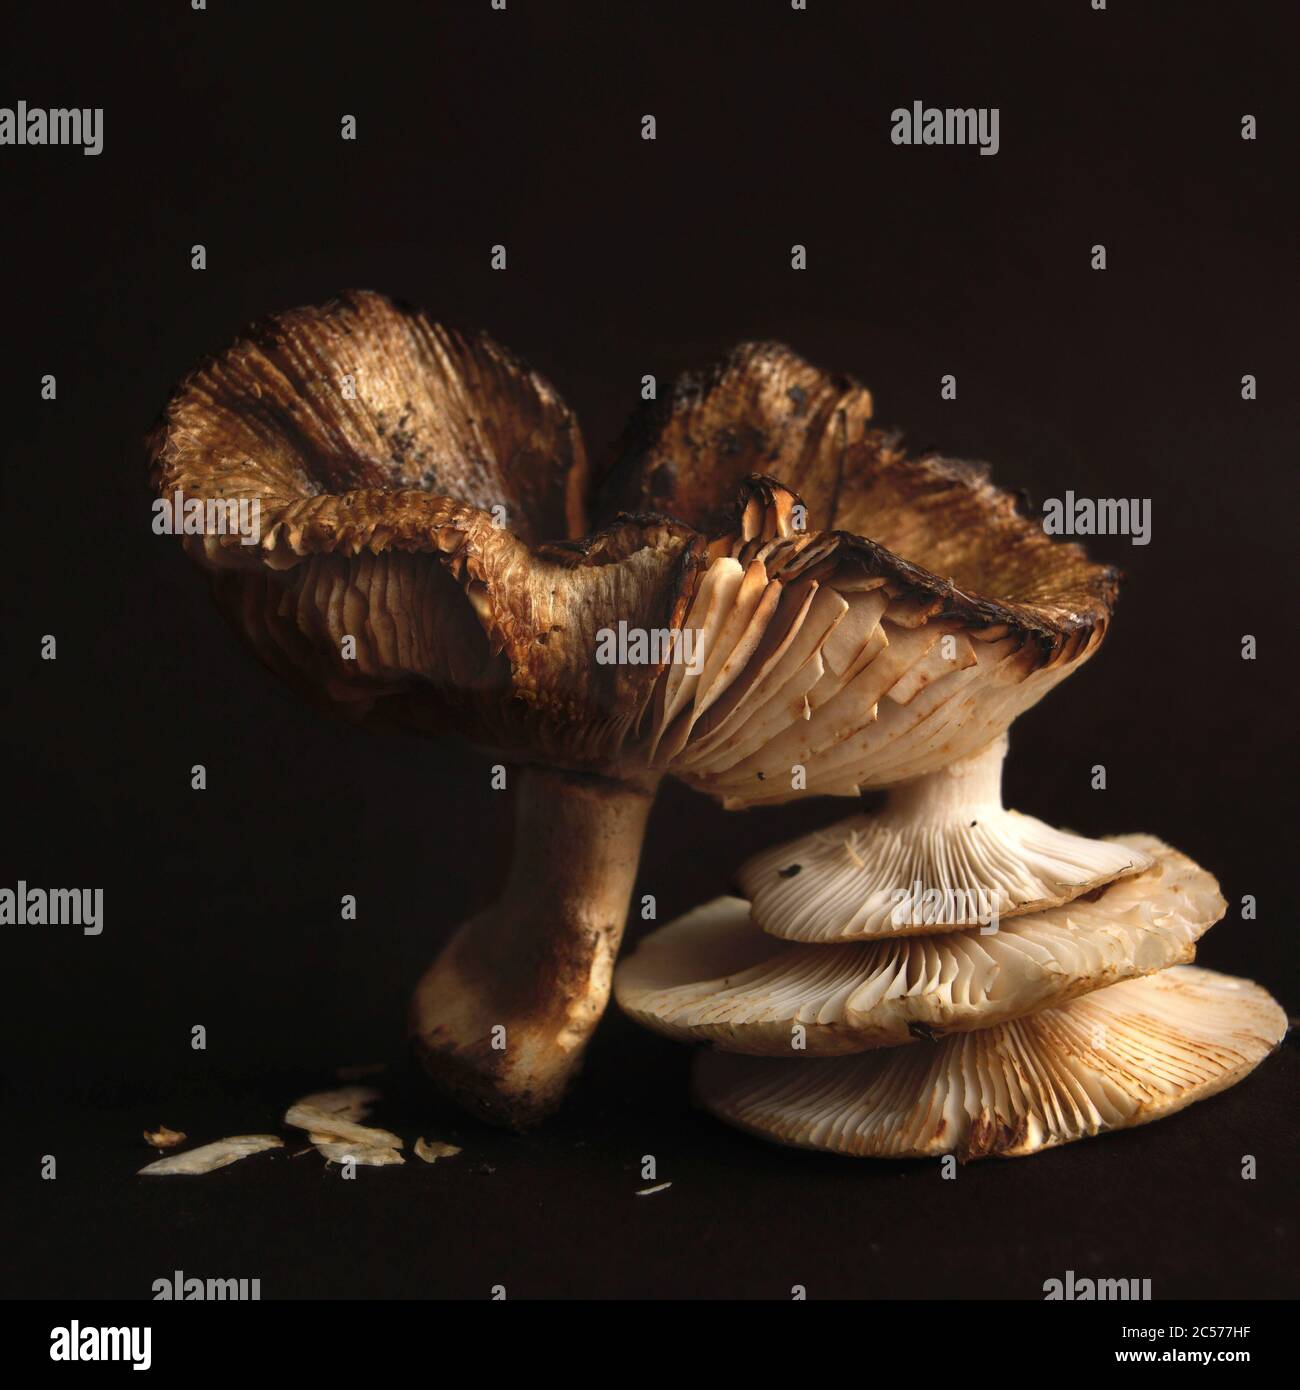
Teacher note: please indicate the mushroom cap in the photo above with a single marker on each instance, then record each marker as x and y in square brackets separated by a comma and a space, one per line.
[826, 673]
[942, 854]
[383, 450]
[936, 525]
[711, 977]
[352, 422]
[921, 612]
[1119, 1057]
[421, 491]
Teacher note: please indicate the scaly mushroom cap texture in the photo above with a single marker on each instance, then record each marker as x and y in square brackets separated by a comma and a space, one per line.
[712, 977]
[409, 479]
[824, 601]
[1120, 1057]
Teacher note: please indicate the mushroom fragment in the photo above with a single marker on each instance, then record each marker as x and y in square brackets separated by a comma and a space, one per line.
[164, 1138]
[711, 977]
[325, 1125]
[816, 612]
[207, 1158]
[351, 1102]
[331, 1121]
[1119, 1057]
[431, 1150]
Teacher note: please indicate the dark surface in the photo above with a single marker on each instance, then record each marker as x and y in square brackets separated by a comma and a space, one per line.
[625, 257]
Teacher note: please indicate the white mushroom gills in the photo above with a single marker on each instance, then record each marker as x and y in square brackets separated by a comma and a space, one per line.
[711, 977]
[1124, 1056]
[947, 845]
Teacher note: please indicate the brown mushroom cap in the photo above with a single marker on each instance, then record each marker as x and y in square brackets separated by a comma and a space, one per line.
[842, 673]
[377, 445]
[383, 450]
[937, 526]
[1119, 1057]
[372, 413]
[711, 976]
[920, 613]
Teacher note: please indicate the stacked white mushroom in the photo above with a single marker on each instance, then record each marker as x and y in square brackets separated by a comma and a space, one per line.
[905, 1037]
[812, 676]
[947, 975]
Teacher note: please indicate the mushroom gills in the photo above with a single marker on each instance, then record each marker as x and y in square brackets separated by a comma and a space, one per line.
[712, 977]
[1120, 1057]
[943, 854]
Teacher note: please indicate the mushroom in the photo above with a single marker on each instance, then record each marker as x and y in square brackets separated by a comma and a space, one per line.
[421, 559]
[939, 615]
[1119, 1057]
[945, 835]
[1044, 1045]
[417, 491]
[207, 1158]
[711, 977]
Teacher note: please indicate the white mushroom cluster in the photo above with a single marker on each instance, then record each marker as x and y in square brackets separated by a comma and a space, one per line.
[997, 1039]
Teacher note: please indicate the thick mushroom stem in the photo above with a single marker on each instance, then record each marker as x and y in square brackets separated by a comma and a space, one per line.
[971, 784]
[501, 1019]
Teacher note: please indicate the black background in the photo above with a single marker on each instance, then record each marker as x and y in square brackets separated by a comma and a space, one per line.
[625, 257]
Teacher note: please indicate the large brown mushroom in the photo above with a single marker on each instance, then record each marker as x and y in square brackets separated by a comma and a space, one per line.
[745, 619]
[417, 490]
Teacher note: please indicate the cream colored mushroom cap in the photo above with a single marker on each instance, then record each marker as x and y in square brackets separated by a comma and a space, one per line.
[1120, 1057]
[712, 977]
[821, 677]
[945, 844]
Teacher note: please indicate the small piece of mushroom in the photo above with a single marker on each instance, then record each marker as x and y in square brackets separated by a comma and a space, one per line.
[350, 1102]
[163, 1138]
[1119, 1057]
[209, 1157]
[431, 1150]
[711, 976]
[324, 1125]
